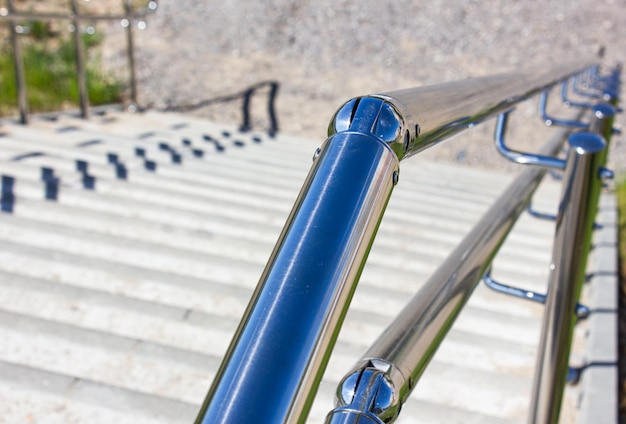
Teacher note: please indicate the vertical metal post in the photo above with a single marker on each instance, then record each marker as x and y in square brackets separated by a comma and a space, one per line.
[81, 77]
[246, 125]
[271, 109]
[20, 79]
[579, 200]
[130, 52]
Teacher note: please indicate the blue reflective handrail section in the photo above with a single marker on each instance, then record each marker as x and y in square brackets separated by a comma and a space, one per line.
[275, 362]
[16, 18]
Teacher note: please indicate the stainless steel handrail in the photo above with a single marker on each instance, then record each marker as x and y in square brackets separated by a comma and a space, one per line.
[11, 15]
[275, 363]
[432, 114]
[278, 355]
[388, 371]
[402, 352]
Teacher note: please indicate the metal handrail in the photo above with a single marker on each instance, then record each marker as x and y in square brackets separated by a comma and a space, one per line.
[71, 15]
[278, 355]
[433, 114]
[11, 15]
[246, 97]
[401, 354]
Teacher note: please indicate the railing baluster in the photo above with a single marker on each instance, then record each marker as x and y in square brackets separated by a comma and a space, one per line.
[20, 79]
[575, 222]
[130, 54]
[81, 77]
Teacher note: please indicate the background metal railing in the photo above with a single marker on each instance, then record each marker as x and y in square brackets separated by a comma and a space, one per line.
[246, 97]
[128, 19]
[14, 17]
[298, 307]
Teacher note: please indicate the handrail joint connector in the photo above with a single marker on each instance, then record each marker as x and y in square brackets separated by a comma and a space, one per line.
[374, 116]
[373, 393]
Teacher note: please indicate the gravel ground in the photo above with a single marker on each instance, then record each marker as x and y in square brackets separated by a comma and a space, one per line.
[324, 52]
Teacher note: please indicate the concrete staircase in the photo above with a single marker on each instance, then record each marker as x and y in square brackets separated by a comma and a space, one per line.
[117, 302]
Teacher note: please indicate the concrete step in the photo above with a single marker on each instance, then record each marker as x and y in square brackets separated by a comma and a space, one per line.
[157, 367]
[156, 189]
[478, 319]
[505, 354]
[118, 303]
[422, 196]
[114, 210]
[237, 270]
[31, 394]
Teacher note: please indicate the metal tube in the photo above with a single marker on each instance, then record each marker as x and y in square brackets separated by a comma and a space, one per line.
[577, 210]
[44, 16]
[402, 352]
[130, 52]
[20, 79]
[296, 312]
[271, 108]
[81, 78]
[246, 125]
[274, 365]
[435, 113]
[522, 157]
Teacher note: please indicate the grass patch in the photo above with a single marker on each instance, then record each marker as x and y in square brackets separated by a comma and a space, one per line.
[50, 72]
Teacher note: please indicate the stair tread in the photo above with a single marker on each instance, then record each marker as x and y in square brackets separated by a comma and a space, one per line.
[118, 303]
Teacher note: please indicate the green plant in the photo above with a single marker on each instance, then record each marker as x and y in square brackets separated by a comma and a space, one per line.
[41, 31]
[50, 72]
